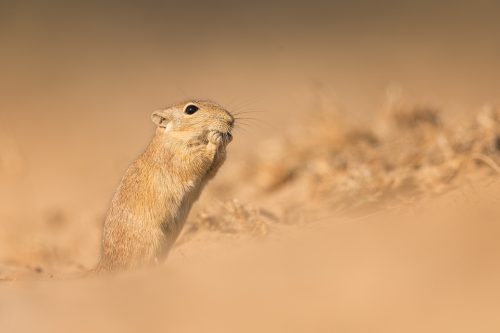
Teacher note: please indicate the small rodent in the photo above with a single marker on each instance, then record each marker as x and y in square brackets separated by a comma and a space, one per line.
[155, 196]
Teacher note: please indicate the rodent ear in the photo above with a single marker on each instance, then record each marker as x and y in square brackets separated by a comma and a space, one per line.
[160, 118]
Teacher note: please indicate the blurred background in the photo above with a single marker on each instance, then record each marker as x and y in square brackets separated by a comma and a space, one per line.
[79, 80]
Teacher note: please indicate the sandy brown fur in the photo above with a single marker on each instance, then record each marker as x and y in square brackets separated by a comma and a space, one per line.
[156, 193]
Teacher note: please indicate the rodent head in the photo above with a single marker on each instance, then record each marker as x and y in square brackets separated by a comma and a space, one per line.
[196, 120]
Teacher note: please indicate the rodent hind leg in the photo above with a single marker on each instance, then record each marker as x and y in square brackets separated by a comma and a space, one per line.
[127, 249]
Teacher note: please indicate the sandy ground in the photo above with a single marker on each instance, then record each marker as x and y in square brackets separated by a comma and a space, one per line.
[360, 195]
[330, 237]
[428, 268]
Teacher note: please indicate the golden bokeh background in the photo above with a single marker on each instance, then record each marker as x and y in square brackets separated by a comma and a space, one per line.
[333, 211]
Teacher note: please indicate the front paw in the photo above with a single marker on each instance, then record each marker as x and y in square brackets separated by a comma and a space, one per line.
[214, 138]
[219, 139]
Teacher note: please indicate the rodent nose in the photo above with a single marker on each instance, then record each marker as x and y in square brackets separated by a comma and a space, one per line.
[230, 119]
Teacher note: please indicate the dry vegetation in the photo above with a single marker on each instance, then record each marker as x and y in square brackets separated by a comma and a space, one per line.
[389, 267]
[331, 167]
[328, 169]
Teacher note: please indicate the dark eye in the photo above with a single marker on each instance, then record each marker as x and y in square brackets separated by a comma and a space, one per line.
[190, 109]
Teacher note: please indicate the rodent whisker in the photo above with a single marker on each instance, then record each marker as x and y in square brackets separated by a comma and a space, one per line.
[242, 123]
[249, 119]
[238, 128]
[256, 121]
[246, 112]
[238, 120]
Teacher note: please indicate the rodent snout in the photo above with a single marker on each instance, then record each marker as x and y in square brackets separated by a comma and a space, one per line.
[230, 119]
[229, 122]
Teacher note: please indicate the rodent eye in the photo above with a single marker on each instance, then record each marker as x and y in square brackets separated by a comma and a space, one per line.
[190, 109]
